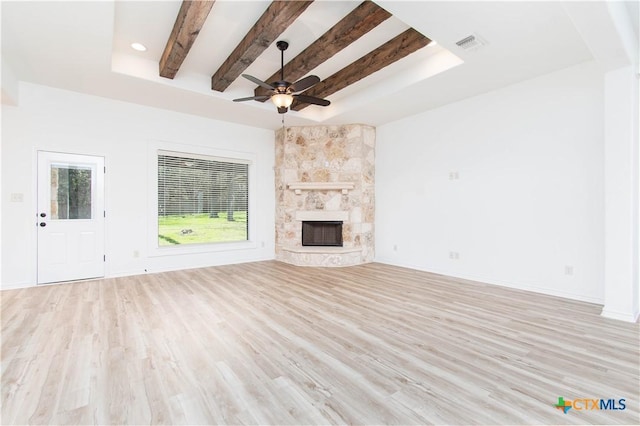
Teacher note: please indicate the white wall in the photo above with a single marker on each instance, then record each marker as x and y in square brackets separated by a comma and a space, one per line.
[528, 204]
[621, 194]
[9, 84]
[57, 120]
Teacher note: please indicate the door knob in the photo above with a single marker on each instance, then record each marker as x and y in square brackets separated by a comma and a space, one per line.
[43, 224]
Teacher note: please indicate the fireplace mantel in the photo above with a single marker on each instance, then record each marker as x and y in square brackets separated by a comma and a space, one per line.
[298, 187]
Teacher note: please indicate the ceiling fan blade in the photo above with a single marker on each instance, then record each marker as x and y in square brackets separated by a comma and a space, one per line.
[253, 98]
[305, 83]
[312, 100]
[258, 82]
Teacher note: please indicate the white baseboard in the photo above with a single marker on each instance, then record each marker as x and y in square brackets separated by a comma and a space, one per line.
[508, 284]
[16, 286]
[131, 273]
[120, 274]
[620, 316]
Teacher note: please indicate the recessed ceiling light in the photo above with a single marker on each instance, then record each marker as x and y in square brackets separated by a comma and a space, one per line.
[139, 47]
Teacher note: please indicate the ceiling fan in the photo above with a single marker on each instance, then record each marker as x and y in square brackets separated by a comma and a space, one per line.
[283, 92]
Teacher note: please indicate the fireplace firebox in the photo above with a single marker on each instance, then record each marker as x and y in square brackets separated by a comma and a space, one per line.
[322, 233]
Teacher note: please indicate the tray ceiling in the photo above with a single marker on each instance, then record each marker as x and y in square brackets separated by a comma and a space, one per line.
[85, 47]
[345, 43]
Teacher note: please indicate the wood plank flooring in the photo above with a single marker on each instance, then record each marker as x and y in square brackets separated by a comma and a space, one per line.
[269, 343]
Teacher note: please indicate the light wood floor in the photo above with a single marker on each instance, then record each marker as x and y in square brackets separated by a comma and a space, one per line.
[269, 343]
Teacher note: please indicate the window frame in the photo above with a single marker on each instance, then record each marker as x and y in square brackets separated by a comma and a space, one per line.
[192, 151]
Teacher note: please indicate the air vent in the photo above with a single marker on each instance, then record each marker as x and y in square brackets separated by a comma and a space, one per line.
[471, 42]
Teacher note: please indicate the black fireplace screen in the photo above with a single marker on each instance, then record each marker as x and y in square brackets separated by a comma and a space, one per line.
[322, 233]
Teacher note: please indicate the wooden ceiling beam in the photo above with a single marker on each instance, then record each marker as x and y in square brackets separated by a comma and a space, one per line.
[390, 52]
[277, 18]
[359, 22]
[189, 22]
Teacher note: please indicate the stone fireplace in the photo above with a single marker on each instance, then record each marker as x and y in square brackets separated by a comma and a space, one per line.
[325, 174]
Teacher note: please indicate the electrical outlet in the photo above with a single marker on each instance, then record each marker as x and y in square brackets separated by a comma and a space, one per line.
[136, 253]
[17, 197]
[395, 247]
[454, 175]
[568, 269]
[454, 255]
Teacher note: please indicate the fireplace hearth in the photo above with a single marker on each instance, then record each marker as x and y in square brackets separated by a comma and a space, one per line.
[322, 233]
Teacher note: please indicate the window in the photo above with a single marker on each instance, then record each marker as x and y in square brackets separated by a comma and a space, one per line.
[201, 199]
[70, 192]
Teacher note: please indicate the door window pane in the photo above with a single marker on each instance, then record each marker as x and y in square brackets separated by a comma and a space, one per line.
[70, 192]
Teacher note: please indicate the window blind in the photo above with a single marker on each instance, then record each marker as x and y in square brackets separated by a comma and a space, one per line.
[192, 189]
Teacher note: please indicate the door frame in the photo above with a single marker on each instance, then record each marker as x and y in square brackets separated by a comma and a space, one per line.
[100, 182]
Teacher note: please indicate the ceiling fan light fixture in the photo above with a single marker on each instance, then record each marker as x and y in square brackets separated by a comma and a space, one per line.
[282, 100]
[283, 92]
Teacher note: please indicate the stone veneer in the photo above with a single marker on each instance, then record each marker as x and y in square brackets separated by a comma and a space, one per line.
[326, 159]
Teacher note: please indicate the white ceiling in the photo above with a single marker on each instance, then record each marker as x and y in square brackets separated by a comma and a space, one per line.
[84, 47]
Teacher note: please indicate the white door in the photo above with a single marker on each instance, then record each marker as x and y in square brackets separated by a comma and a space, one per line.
[70, 217]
